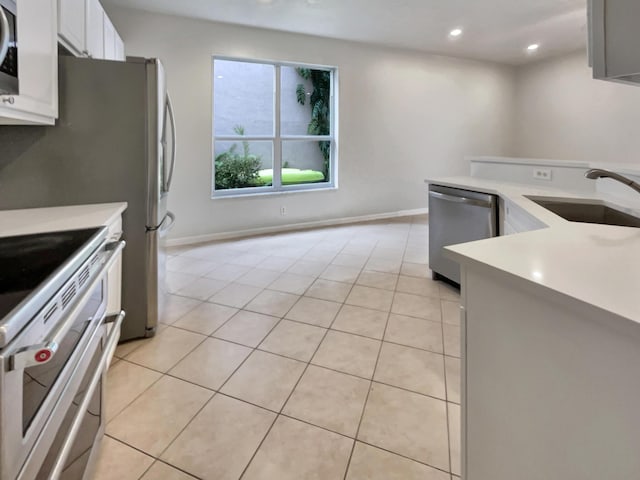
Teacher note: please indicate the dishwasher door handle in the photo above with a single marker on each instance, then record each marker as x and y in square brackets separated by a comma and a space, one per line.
[465, 200]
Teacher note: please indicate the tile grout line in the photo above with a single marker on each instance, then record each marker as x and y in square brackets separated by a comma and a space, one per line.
[155, 459]
[381, 340]
[294, 387]
[311, 364]
[346, 244]
[215, 392]
[281, 408]
[446, 394]
[218, 391]
[316, 276]
[173, 325]
[157, 371]
[158, 460]
[373, 374]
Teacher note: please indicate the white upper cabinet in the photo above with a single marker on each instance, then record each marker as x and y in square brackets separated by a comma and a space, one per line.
[109, 39]
[113, 44]
[37, 102]
[95, 29]
[613, 40]
[71, 25]
[86, 30]
[120, 55]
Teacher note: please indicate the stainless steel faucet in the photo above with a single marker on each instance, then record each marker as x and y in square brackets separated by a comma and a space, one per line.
[599, 173]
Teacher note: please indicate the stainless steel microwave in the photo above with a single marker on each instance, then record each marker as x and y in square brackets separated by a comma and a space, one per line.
[8, 48]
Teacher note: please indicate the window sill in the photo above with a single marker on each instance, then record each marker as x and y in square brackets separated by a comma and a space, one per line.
[272, 193]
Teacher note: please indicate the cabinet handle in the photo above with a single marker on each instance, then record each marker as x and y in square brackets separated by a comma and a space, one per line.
[9, 100]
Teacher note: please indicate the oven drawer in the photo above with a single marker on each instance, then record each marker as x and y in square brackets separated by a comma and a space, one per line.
[74, 449]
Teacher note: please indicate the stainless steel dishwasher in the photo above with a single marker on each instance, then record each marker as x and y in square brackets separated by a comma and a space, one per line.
[457, 216]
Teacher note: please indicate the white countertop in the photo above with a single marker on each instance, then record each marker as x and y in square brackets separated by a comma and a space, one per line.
[38, 220]
[596, 264]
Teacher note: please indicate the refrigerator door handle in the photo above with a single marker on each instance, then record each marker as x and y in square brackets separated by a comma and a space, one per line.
[4, 35]
[173, 142]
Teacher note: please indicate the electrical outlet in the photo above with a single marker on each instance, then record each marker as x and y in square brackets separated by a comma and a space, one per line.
[542, 174]
[283, 211]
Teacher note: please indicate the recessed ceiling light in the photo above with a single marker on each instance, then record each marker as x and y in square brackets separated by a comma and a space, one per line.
[456, 32]
[219, 76]
[265, 2]
[533, 47]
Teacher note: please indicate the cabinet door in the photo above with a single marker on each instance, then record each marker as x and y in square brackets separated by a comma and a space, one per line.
[507, 228]
[613, 36]
[109, 39]
[71, 25]
[516, 220]
[37, 102]
[95, 29]
[120, 55]
[114, 275]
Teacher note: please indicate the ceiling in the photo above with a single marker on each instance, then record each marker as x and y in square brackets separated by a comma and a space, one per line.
[494, 30]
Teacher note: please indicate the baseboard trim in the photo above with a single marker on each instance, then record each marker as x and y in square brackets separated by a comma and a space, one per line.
[177, 242]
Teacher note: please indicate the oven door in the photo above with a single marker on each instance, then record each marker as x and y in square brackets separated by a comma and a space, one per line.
[8, 48]
[76, 445]
[33, 395]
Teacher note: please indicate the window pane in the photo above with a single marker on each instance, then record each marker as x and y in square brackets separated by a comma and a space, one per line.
[305, 101]
[243, 97]
[305, 162]
[243, 164]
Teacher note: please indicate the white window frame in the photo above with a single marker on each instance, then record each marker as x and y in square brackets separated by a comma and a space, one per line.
[277, 138]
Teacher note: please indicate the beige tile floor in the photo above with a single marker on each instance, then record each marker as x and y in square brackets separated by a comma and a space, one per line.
[322, 354]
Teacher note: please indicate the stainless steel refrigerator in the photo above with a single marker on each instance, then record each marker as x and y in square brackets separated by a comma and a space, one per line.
[114, 142]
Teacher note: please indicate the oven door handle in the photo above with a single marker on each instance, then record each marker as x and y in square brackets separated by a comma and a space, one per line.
[43, 352]
[110, 344]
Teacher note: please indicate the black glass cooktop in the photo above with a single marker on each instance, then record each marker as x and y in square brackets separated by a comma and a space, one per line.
[26, 261]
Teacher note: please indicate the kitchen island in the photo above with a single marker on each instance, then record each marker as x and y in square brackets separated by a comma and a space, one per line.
[550, 344]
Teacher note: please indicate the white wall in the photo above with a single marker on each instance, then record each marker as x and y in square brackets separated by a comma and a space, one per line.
[404, 116]
[562, 112]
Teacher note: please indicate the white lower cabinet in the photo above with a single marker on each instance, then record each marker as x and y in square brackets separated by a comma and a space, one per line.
[549, 384]
[516, 220]
[37, 103]
[114, 276]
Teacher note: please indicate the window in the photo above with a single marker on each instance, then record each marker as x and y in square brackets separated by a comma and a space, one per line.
[273, 127]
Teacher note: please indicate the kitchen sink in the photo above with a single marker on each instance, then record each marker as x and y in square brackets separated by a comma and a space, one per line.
[587, 212]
